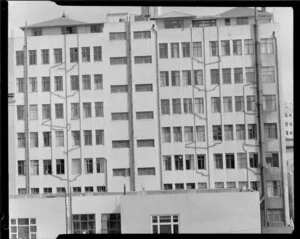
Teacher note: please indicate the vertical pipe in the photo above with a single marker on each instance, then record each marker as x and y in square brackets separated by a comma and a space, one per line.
[26, 112]
[158, 109]
[260, 120]
[130, 105]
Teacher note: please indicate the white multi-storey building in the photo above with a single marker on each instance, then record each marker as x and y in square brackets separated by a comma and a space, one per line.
[139, 103]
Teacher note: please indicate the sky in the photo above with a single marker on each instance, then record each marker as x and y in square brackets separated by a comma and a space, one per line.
[34, 11]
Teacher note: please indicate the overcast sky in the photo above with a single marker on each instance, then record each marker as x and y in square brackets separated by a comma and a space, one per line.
[36, 11]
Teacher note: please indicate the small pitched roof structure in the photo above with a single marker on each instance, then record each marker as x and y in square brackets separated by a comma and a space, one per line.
[242, 12]
[57, 22]
[174, 14]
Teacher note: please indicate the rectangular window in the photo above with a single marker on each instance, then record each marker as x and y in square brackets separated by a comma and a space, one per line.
[47, 190]
[238, 75]
[243, 184]
[117, 36]
[275, 215]
[144, 115]
[98, 81]
[240, 132]
[21, 167]
[163, 50]
[20, 112]
[33, 112]
[21, 140]
[32, 57]
[45, 56]
[142, 59]
[76, 138]
[60, 166]
[237, 47]
[229, 161]
[75, 111]
[164, 78]
[87, 110]
[225, 48]
[266, 46]
[242, 21]
[219, 185]
[250, 75]
[228, 131]
[202, 186]
[100, 165]
[252, 131]
[168, 186]
[118, 88]
[251, 103]
[20, 85]
[173, 24]
[118, 60]
[123, 172]
[34, 140]
[143, 87]
[239, 103]
[254, 185]
[87, 134]
[34, 190]
[175, 76]
[167, 163]
[21, 191]
[145, 143]
[227, 21]
[58, 80]
[57, 55]
[269, 102]
[270, 130]
[199, 106]
[85, 53]
[20, 58]
[253, 160]
[215, 105]
[272, 160]
[146, 171]
[174, 50]
[76, 189]
[68, 30]
[120, 144]
[189, 162]
[176, 105]
[167, 224]
[190, 186]
[74, 54]
[111, 223]
[166, 134]
[119, 116]
[198, 77]
[46, 87]
[86, 82]
[267, 74]
[242, 160]
[226, 73]
[227, 104]
[204, 23]
[34, 167]
[186, 50]
[186, 78]
[59, 137]
[217, 132]
[60, 190]
[84, 223]
[273, 189]
[99, 137]
[97, 53]
[200, 133]
[188, 134]
[141, 34]
[47, 139]
[47, 166]
[214, 48]
[187, 106]
[248, 47]
[88, 162]
[165, 107]
[32, 84]
[178, 162]
[99, 109]
[74, 83]
[201, 161]
[59, 111]
[197, 49]
[177, 134]
[230, 184]
[179, 186]
[214, 76]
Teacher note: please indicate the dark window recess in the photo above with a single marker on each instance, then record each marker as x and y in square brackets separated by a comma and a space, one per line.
[111, 223]
[68, 30]
[96, 28]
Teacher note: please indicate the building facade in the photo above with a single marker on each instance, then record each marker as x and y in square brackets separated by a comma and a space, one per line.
[137, 103]
[289, 120]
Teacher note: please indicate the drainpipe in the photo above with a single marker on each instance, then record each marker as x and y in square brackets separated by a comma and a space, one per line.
[282, 146]
[26, 112]
[260, 122]
[130, 105]
[158, 108]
